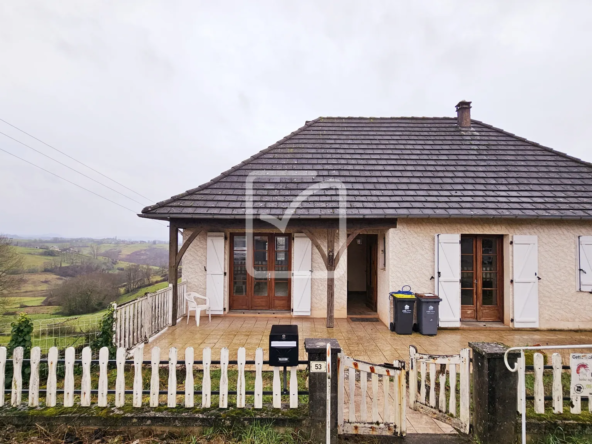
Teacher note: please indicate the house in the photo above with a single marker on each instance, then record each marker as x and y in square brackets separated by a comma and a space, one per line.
[498, 226]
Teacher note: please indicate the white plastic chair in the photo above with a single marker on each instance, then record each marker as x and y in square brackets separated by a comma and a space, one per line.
[192, 305]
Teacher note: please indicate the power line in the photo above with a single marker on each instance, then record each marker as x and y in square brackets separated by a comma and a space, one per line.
[69, 167]
[76, 160]
[69, 181]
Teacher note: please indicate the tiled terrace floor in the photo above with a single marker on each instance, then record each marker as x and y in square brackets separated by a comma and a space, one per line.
[371, 342]
[366, 341]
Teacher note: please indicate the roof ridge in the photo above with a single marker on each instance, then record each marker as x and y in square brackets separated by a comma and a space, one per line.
[229, 171]
[524, 139]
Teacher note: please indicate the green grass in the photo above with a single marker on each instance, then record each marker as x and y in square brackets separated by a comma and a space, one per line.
[560, 436]
[140, 292]
[32, 257]
[585, 416]
[255, 433]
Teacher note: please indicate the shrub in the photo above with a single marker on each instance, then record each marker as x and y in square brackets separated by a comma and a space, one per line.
[20, 335]
[105, 336]
[85, 294]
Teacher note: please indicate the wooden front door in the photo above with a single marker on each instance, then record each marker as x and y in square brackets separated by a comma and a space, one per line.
[268, 287]
[481, 278]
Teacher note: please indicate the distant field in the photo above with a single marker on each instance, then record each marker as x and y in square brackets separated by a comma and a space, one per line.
[29, 297]
[32, 257]
[37, 282]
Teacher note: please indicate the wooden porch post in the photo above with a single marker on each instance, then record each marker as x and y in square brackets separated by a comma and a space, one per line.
[330, 278]
[173, 267]
[331, 261]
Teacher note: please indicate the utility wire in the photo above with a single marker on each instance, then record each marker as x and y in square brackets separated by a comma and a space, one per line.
[70, 168]
[76, 160]
[69, 181]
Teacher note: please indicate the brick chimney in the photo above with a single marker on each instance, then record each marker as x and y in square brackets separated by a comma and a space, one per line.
[463, 112]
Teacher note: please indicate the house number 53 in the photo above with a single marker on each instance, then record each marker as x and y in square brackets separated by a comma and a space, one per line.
[318, 367]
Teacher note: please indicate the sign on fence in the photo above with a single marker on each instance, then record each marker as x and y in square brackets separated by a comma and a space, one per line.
[581, 374]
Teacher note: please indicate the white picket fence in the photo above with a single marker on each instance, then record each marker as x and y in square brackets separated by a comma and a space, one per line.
[138, 320]
[539, 388]
[390, 418]
[87, 393]
[439, 366]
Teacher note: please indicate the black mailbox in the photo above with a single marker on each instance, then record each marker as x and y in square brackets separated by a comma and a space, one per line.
[283, 346]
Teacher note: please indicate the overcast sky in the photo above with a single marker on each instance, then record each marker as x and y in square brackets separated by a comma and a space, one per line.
[164, 95]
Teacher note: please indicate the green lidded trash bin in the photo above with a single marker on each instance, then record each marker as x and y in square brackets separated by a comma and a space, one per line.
[428, 313]
[403, 305]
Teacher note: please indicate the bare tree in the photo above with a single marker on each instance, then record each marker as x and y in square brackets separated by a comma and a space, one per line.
[95, 249]
[11, 264]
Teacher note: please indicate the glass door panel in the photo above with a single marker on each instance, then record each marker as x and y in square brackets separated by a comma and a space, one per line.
[239, 299]
[261, 273]
[467, 278]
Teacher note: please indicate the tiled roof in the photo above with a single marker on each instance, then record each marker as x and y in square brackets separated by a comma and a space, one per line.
[399, 167]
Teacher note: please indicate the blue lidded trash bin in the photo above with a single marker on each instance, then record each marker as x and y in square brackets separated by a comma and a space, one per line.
[403, 305]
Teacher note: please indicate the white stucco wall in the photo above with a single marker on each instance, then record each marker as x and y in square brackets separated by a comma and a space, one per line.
[411, 257]
[319, 285]
[193, 263]
[194, 273]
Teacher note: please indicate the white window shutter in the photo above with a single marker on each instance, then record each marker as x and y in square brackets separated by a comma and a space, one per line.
[585, 263]
[302, 274]
[215, 272]
[448, 278]
[526, 282]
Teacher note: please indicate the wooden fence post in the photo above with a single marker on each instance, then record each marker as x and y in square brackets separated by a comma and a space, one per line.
[85, 387]
[189, 395]
[138, 383]
[103, 377]
[34, 380]
[70, 357]
[172, 389]
[120, 378]
[52, 364]
[17, 376]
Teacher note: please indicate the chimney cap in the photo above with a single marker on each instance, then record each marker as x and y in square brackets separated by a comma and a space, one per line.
[463, 104]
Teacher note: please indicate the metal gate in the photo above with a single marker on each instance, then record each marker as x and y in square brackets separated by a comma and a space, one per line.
[387, 403]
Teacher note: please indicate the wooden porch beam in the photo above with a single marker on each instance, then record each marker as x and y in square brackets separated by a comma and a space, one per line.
[186, 245]
[344, 246]
[317, 245]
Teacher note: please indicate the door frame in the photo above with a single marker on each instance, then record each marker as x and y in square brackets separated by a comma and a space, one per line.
[372, 271]
[477, 306]
[250, 282]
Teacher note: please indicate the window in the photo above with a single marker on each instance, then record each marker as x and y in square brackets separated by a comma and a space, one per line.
[383, 253]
